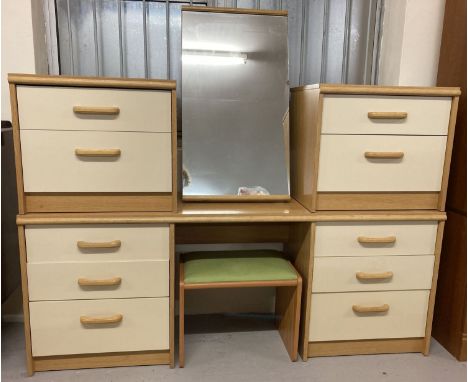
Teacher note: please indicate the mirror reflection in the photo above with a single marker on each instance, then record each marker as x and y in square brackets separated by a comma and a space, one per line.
[234, 105]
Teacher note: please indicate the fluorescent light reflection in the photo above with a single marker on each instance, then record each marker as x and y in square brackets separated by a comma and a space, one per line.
[207, 57]
[209, 46]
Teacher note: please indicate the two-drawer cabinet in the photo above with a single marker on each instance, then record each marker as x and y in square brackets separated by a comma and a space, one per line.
[371, 148]
[88, 145]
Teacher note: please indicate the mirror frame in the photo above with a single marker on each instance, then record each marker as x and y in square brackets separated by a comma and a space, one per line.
[239, 198]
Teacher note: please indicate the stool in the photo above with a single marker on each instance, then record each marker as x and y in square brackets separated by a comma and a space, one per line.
[241, 269]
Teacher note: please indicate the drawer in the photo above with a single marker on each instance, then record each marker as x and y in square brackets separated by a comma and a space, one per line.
[51, 108]
[332, 316]
[349, 114]
[50, 163]
[374, 273]
[96, 242]
[93, 280]
[375, 238]
[343, 165]
[56, 328]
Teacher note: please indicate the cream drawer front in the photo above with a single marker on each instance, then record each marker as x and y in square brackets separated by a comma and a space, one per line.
[81, 243]
[51, 165]
[348, 114]
[332, 317]
[122, 279]
[356, 238]
[56, 328]
[51, 108]
[374, 273]
[344, 167]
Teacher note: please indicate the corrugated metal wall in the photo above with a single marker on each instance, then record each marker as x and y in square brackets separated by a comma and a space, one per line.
[329, 40]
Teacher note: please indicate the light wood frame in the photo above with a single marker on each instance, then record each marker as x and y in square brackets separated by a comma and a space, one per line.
[236, 198]
[81, 361]
[92, 202]
[91, 361]
[287, 307]
[214, 213]
[306, 122]
[383, 346]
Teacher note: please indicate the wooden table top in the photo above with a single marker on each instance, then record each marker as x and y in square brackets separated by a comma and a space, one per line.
[226, 213]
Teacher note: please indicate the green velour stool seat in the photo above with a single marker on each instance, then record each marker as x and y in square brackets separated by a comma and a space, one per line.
[244, 269]
[236, 266]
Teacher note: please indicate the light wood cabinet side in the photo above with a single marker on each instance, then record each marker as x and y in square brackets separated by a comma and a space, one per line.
[305, 115]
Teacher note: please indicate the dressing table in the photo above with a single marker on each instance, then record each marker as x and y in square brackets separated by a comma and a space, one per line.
[205, 223]
[100, 215]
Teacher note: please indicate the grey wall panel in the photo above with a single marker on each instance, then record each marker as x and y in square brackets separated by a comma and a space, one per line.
[329, 40]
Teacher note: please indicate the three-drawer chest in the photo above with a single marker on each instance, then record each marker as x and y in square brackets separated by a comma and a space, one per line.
[96, 294]
[373, 162]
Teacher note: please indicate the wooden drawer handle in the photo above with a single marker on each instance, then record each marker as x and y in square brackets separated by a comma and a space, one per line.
[376, 240]
[374, 276]
[384, 154]
[371, 309]
[97, 152]
[99, 282]
[96, 110]
[89, 320]
[387, 115]
[104, 244]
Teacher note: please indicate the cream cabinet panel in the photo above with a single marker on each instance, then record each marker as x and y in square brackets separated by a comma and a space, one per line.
[56, 328]
[349, 238]
[343, 165]
[122, 279]
[332, 316]
[348, 114]
[51, 164]
[97, 242]
[51, 108]
[373, 273]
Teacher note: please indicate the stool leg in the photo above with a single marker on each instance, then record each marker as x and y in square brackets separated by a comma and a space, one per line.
[181, 318]
[297, 314]
[288, 311]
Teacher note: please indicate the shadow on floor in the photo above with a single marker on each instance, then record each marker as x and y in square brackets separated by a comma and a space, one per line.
[229, 322]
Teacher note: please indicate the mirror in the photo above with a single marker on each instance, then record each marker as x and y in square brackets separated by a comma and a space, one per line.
[235, 96]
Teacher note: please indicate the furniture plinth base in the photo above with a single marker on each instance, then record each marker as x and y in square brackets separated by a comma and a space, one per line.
[98, 202]
[398, 345]
[346, 201]
[91, 361]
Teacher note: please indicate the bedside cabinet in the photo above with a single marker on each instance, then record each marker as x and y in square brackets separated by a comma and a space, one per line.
[91, 145]
[371, 148]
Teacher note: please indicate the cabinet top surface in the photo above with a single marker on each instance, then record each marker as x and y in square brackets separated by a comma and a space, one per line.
[381, 90]
[96, 82]
[226, 213]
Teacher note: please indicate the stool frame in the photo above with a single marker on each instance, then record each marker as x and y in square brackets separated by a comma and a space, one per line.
[287, 307]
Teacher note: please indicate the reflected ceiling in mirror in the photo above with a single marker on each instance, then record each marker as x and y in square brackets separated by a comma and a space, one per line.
[235, 96]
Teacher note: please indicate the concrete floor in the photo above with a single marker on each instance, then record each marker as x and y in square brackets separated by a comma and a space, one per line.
[233, 348]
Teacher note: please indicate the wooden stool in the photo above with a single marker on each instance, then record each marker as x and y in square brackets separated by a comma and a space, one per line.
[241, 269]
